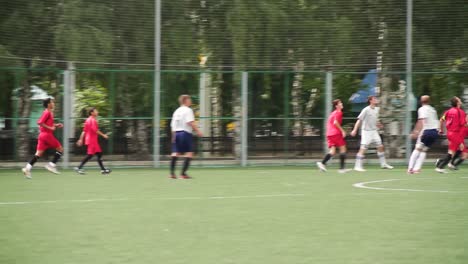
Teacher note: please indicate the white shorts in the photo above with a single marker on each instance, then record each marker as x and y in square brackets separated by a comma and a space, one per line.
[370, 137]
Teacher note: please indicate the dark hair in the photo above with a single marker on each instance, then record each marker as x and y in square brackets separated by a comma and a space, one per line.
[369, 98]
[336, 102]
[91, 110]
[454, 101]
[46, 102]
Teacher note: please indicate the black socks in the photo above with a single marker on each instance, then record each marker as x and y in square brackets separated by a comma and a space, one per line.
[33, 160]
[173, 165]
[57, 156]
[186, 165]
[342, 160]
[326, 158]
[443, 162]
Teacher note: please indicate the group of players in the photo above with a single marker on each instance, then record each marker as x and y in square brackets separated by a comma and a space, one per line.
[426, 132]
[182, 124]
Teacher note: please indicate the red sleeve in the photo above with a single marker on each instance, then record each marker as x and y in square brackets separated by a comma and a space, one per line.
[44, 117]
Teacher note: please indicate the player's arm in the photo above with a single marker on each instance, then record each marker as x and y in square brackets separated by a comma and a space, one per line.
[46, 126]
[417, 128]
[356, 127]
[195, 128]
[337, 124]
[102, 134]
[441, 124]
[79, 143]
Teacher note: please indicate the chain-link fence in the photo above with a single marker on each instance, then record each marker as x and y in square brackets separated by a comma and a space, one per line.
[286, 111]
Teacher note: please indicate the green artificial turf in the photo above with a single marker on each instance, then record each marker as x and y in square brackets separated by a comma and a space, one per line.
[234, 215]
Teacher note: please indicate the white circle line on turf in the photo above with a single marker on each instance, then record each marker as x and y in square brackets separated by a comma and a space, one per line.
[363, 185]
[158, 198]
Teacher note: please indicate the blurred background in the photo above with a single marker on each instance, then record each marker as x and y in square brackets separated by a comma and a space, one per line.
[262, 73]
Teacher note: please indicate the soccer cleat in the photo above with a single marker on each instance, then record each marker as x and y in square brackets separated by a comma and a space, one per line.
[416, 171]
[344, 170]
[386, 166]
[452, 167]
[172, 176]
[106, 171]
[437, 162]
[52, 168]
[359, 169]
[410, 171]
[321, 166]
[27, 173]
[439, 170]
[79, 171]
[185, 177]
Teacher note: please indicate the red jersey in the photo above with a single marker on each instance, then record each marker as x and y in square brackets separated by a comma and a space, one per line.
[91, 128]
[455, 119]
[331, 128]
[46, 118]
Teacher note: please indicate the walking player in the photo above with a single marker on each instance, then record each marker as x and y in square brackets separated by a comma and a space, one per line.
[426, 132]
[182, 126]
[90, 134]
[335, 137]
[368, 121]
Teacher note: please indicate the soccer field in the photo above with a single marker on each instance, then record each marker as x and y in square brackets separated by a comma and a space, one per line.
[234, 215]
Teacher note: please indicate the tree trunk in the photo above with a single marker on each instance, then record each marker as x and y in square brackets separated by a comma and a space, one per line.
[24, 111]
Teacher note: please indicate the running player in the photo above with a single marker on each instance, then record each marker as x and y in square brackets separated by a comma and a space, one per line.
[455, 123]
[335, 137]
[90, 134]
[368, 121]
[426, 132]
[46, 139]
[462, 154]
[182, 126]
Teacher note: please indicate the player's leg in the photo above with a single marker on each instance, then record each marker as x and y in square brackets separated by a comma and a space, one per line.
[52, 166]
[452, 148]
[174, 157]
[343, 159]
[27, 169]
[185, 145]
[456, 157]
[381, 151]
[188, 159]
[365, 141]
[87, 158]
[360, 157]
[332, 150]
[104, 170]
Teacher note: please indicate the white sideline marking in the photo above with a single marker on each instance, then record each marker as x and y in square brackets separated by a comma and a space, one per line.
[159, 198]
[363, 185]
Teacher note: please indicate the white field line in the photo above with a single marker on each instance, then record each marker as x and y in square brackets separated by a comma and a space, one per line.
[363, 185]
[159, 198]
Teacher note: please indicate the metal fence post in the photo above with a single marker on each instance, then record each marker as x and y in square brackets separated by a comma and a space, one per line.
[157, 86]
[68, 88]
[409, 74]
[328, 105]
[244, 118]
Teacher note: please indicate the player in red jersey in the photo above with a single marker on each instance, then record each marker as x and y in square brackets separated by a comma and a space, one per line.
[46, 139]
[335, 137]
[455, 123]
[90, 134]
[462, 154]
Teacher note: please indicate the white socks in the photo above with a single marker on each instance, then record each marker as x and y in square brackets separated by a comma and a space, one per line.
[382, 158]
[28, 167]
[414, 157]
[359, 159]
[420, 161]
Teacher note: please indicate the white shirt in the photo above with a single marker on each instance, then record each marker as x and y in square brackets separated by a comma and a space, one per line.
[429, 116]
[368, 117]
[181, 119]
